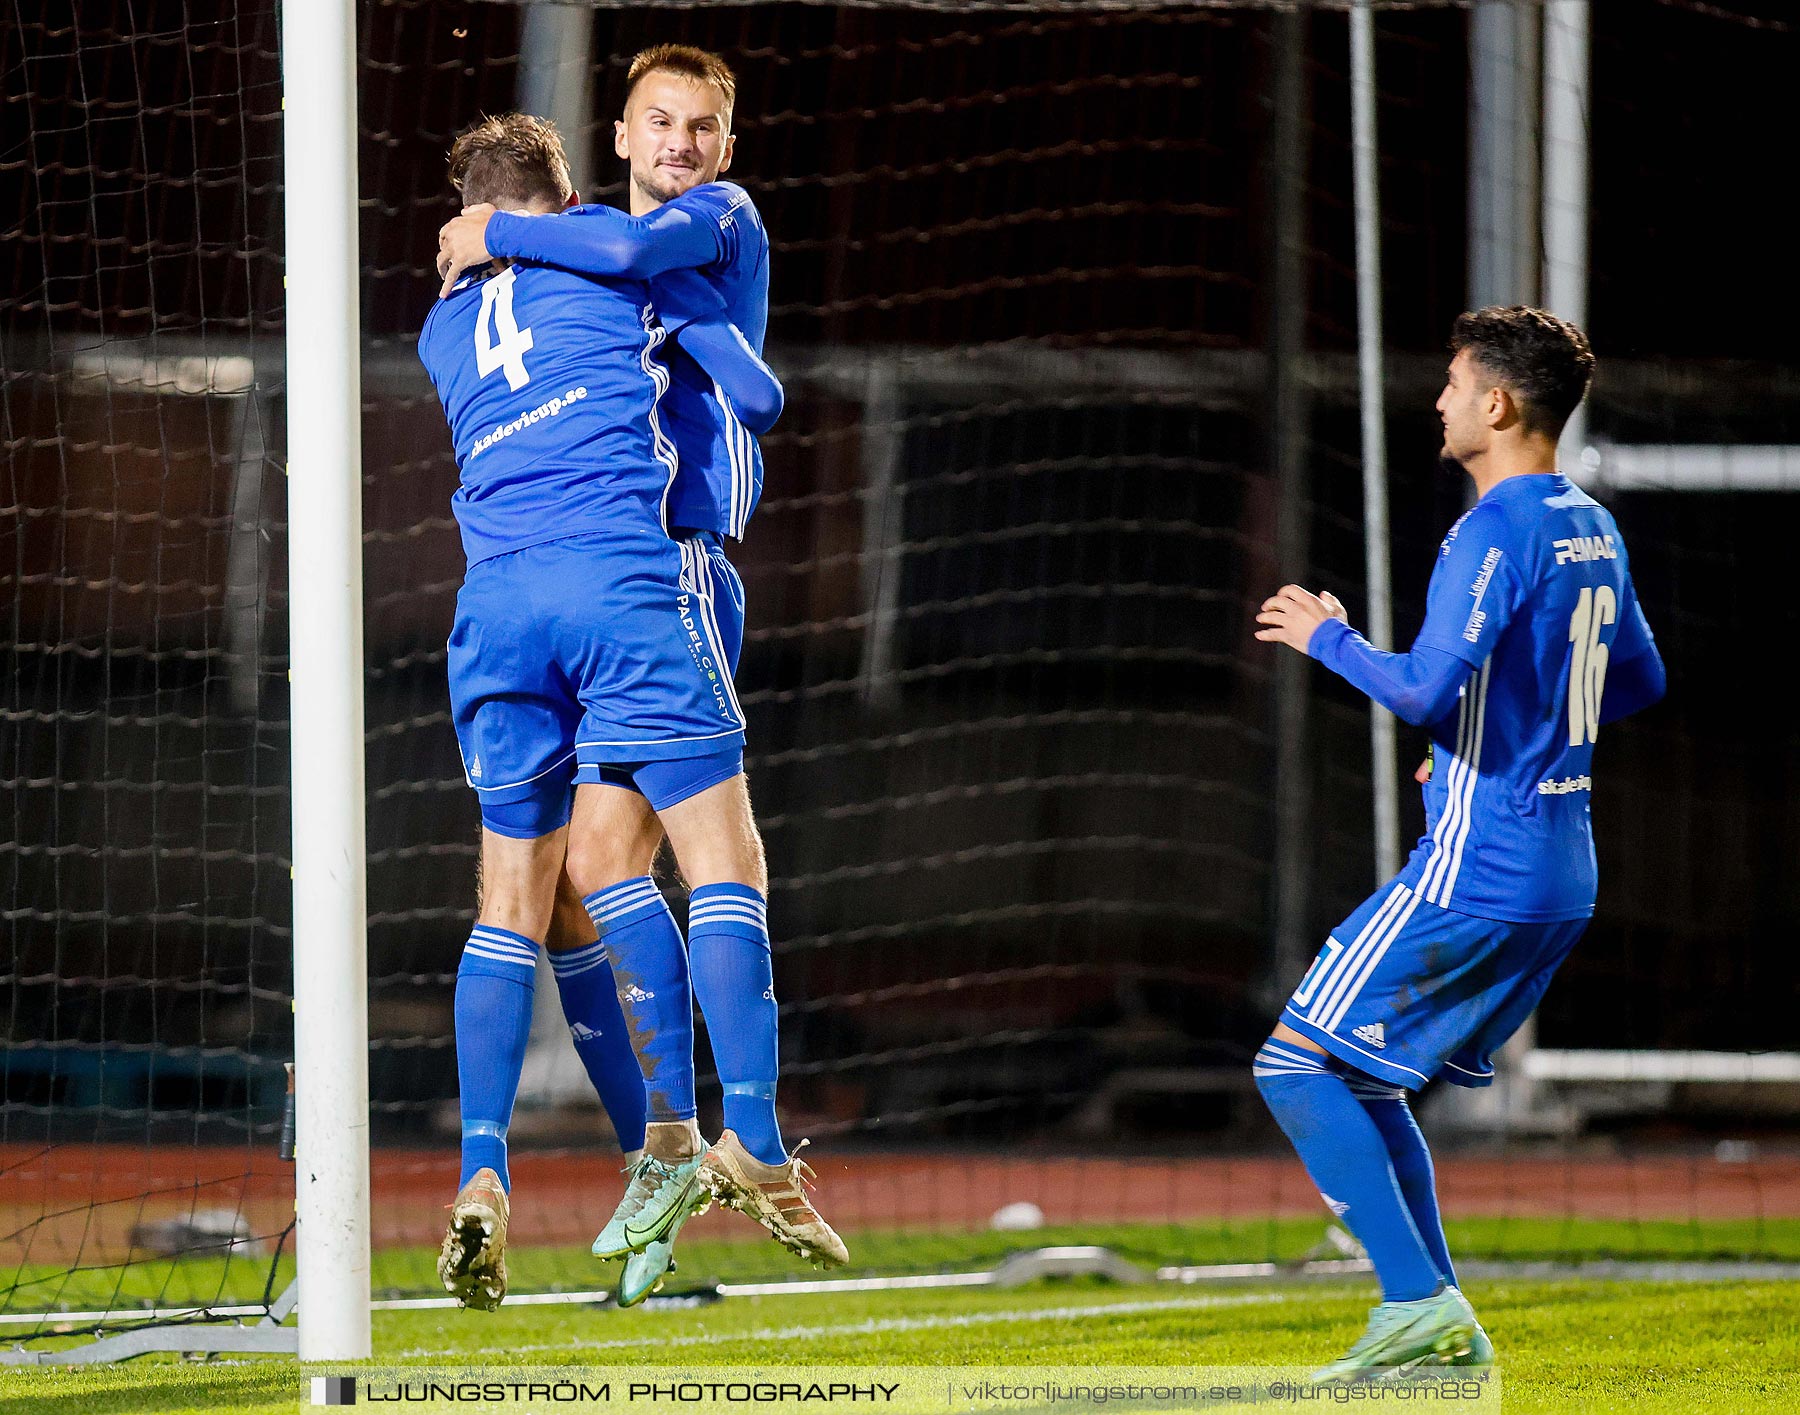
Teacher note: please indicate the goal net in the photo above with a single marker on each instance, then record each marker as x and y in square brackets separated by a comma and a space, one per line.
[1063, 299]
[144, 895]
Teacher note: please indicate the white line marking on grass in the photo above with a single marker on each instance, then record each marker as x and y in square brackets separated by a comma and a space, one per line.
[875, 1326]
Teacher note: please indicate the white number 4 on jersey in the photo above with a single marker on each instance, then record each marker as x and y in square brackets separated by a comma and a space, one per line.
[499, 342]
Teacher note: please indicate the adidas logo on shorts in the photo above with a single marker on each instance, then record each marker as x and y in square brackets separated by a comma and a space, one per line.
[1337, 1206]
[1373, 1035]
[636, 994]
[475, 768]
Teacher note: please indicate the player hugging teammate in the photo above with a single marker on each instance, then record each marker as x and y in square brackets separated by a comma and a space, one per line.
[601, 374]
[1532, 640]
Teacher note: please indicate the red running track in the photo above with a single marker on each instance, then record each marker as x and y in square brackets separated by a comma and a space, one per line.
[85, 1199]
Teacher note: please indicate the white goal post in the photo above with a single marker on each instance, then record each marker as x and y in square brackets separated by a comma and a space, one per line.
[324, 465]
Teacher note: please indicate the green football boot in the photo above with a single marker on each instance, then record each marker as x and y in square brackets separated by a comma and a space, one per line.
[656, 1201]
[1480, 1353]
[644, 1272]
[1435, 1330]
[1481, 1350]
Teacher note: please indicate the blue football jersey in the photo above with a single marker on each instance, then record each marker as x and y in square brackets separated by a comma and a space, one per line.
[550, 383]
[1533, 589]
[721, 473]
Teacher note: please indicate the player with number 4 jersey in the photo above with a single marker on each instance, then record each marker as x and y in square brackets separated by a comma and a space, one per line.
[692, 237]
[551, 383]
[1533, 640]
[584, 635]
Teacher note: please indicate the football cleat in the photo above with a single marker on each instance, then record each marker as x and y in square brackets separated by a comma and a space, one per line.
[472, 1262]
[657, 1200]
[1433, 1331]
[775, 1196]
[644, 1272]
[1481, 1350]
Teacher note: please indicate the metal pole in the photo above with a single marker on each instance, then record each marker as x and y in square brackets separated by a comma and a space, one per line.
[1384, 766]
[1566, 135]
[324, 431]
[883, 534]
[1503, 163]
[246, 565]
[1290, 420]
[556, 80]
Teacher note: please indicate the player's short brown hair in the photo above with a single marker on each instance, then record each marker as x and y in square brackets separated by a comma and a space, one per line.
[510, 160]
[700, 65]
[1543, 361]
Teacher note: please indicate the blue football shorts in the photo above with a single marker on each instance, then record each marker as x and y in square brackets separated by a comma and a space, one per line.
[596, 653]
[1404, 989]
[665, 783]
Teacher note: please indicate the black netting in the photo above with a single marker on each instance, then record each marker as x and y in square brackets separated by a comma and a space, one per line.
[1011, 743]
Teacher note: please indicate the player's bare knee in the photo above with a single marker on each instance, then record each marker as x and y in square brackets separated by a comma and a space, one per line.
[596, 864]
[598, 861]
[613, 837]
[518, 882]
[570, 926]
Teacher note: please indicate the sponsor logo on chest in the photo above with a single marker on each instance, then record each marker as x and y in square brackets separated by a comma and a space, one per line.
[1578, 550]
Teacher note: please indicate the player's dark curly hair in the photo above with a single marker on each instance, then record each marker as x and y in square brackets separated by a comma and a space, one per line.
[512, 160]
[1545, 362]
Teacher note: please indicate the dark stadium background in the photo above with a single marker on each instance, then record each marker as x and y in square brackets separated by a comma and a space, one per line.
[143, 868]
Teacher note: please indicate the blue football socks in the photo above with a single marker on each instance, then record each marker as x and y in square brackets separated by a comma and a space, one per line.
[650, 971]
[734, 982]
[1411, 1157]
[1348, 1160]
[590, 1003]
[494, 985]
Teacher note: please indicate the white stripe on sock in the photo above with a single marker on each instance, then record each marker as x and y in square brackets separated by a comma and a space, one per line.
[523, 964]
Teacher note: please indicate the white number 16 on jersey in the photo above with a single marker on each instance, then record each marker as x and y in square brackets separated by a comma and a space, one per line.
[1587, 661]
[505, 344]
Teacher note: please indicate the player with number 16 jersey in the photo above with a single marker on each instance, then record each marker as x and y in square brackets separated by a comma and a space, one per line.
[1532, 640]
[1529, 603]
[1507, 824]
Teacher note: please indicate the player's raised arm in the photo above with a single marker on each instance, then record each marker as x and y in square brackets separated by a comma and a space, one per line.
[1474, 593]
[595, 241]
[1419, 686]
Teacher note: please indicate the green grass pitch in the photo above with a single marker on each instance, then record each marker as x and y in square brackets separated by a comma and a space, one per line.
[1569, 1345]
